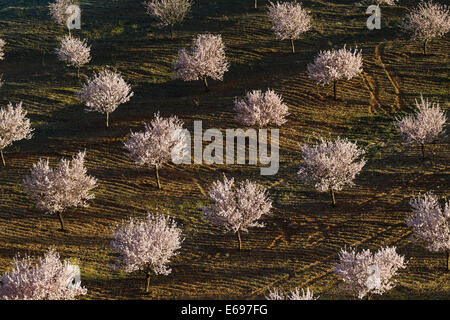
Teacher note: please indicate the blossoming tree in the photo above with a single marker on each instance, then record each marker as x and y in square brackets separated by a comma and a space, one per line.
[147, 245]
[425, 126]
[289, 20]
[205, 59]
[431, 223]
[162, 141]
[58, 11]
[331, 165]
[14, 126]
[333, 65]
[104, 92]
[365, 273]
[168, 12]
[261, 108]
[427, 21]
[43, 278]
[56, 189]
[74, 52]
[236, 209]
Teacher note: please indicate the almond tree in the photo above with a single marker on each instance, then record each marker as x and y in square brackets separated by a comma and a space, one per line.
[162, 141]
[104, 92]
[58, 11]
[168, 12]
[74, 52]
[431, 223]
[54, 190]
[425, 126]
[43, 278]
[289, 20]
[331, 165]
[14, 126]
[2, 44]
[261, 108]
[427, 21]
[236, 209]
[276, 294]
[365, 273]
[205, 59]
[334, 65]
[147, 245]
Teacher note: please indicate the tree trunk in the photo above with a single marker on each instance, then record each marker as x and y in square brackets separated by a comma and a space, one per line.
[256, 4]
[3, 158]
[171, 31]
[107, 120]
[157, 176]
[61, 221]
[205, 83]
[334, 89]
[147, 281]
[78, 72]
[333, 199]
[239, 240]
[425, 47]
[292, 45]
[422, 147]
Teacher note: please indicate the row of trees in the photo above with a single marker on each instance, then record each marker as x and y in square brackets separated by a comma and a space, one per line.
[328, 165]
[290, 20]
[147, 245]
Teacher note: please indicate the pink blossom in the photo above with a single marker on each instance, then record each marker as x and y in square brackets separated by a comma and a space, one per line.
[43, 278]
[261, 108]
[356, 270]
[146, 245]
[56, 189]
[238, 208]
[205, 59]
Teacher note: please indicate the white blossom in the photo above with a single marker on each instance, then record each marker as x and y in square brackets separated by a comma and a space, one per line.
[43, 278]
[147, 245]
[237, 208]
[333, 65]
[56, 189]
[162, 140]
[74, 52]
[331, 165]
[425, 126]
[205, 59]
[2, 44]
[358, 268]
[58, 11]
[431, 223]
[104, 92]
[289, 20]
[168, 12]
[427, 21]
[276, 294]
[261, 108]
[14, 126]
